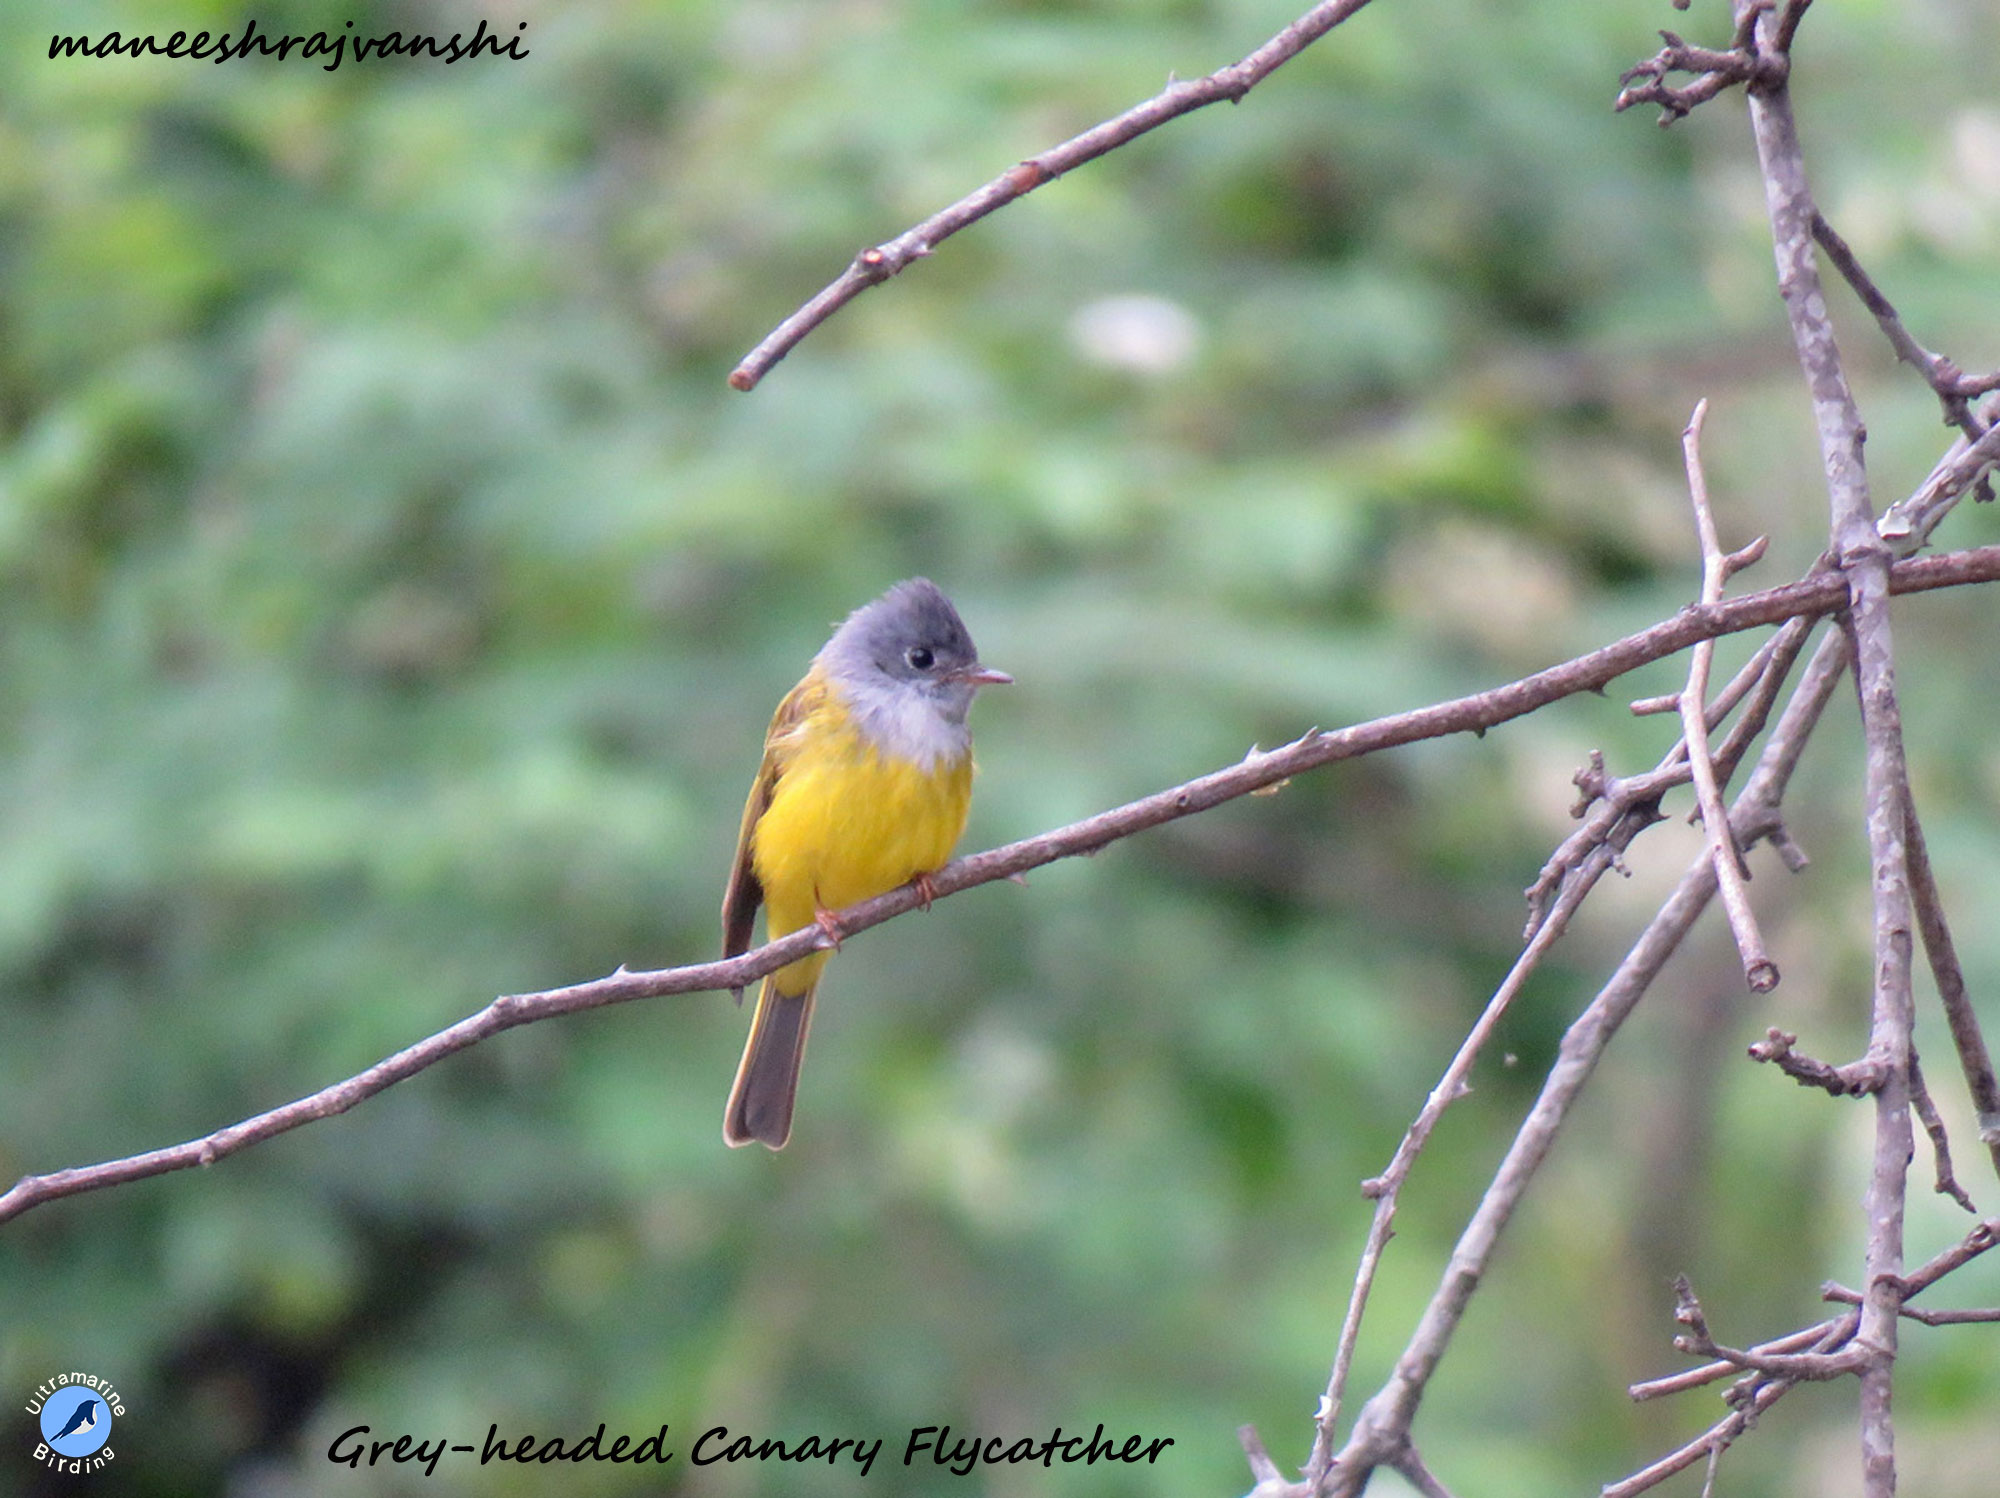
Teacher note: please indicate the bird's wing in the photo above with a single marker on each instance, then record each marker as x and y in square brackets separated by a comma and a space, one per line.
[744, 894]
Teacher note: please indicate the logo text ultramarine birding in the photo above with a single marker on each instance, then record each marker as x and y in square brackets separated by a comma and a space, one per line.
[75, 1411]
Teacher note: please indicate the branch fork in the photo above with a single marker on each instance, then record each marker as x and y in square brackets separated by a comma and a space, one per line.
[1798, 1366]
[1747, 62]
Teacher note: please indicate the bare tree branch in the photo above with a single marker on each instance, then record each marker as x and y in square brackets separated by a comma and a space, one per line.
[1757, 1392]
[1979, 1240]
[1387, 1187]
[1788, 21]
[1818, 594]
[874, 266]
[1979, 1317]
[1758, 1395]
[1972, 1317]
[1901, 871]
[1389, 1415]
[1864, 560]
[1581, 867]
[1383, 1426]
[1269, 1479]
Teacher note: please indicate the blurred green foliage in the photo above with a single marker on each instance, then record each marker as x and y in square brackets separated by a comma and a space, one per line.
[392, 597]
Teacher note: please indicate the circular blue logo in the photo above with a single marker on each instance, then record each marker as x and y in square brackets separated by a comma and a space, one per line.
[75, 1421]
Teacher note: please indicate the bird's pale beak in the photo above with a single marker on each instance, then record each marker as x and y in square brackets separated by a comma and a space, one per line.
[985, 676]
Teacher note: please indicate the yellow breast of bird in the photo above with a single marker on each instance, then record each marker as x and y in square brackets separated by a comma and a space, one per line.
[847, 823]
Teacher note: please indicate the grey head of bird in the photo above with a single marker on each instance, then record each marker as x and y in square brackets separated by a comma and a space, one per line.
[907, 669]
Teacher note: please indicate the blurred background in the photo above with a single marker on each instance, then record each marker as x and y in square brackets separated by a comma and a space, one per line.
[393, 597]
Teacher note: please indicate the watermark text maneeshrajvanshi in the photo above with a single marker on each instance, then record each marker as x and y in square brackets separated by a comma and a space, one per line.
[339, 46]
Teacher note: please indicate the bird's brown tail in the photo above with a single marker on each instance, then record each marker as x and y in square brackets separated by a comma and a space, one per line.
[767, 1079]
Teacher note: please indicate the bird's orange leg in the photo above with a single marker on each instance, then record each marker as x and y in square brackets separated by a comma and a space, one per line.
[926, 891]
[828, 922]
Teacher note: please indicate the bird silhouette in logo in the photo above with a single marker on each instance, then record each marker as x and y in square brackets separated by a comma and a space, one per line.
[83, 1418]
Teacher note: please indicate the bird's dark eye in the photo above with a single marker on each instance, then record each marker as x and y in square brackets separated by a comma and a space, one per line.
[919, 657]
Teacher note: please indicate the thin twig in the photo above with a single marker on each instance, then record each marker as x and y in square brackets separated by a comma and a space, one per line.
[1758, 970]
[1714, 1467]
[1386, 1188]
[1710, 1444]
[1262, 1468]
[1708, 1373]
[1856, 1079]
[1952, 386]
[1976, 1317]
[1788, 23]
[1815, 1366]
[1945, 1180]
[1907, 524]
[1410, 1467]
[1966, 1036]
[1980, 1239]
[874, 266]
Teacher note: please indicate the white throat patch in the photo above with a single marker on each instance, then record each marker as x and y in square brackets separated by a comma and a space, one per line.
[903, 721]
